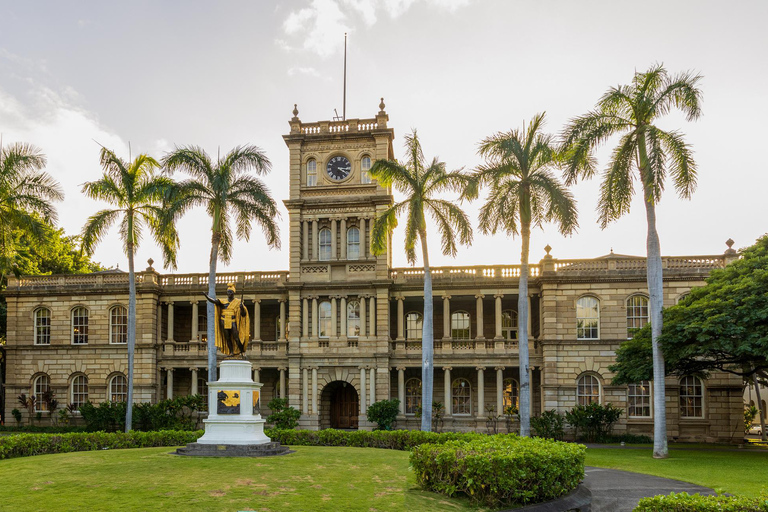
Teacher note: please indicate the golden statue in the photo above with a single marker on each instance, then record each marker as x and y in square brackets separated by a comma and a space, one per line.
[233, 326]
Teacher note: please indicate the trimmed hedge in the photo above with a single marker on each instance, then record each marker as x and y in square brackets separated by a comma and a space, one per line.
[500, 470]
[388, 439]
[25, 445]
[684, 502]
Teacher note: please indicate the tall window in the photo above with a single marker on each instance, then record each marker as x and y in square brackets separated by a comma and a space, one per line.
[588, 318]
[413, 325]
[509, 324]
[460, 325]
[118, 325]
[325, 245]
[637, 313]
[277, 327]
[79, 395]
[202, 390]
[365, 169]
[353, 244]
[202, 327]
[353, 319]
[511, 394]
[639, 399]
[461, 397]
[311, 172]
[42, 326]
[691, 397]
[80, 326]
[118, 389]
[412, 395]
[40, 386]
[587, 390]
[325, 319]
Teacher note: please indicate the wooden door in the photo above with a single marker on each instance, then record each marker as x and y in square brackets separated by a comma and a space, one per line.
[344, 407]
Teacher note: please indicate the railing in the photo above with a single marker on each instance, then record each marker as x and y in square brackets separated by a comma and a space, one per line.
[463, 273]
[239, 278]
[348, 125]
[117, 278]
[452, 346]
[200, 348]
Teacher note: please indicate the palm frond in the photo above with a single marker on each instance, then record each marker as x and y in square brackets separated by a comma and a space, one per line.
[617, 187]
[245, 158]
[96, 228]
[451, 221]
[682, 165]
[192, 160]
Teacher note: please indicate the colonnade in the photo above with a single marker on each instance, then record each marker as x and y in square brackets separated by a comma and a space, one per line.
[338, 226]
[310, 313]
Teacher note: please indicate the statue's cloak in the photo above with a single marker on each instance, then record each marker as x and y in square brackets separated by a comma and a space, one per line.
[243, 322]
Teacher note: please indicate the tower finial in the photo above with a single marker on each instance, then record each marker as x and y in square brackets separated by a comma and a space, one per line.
[295, 111]
[381, 106]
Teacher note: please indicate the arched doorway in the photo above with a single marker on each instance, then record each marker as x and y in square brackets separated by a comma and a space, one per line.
[341, 401]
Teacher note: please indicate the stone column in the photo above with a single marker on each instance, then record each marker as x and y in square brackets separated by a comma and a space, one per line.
[333, 239]
[282, 319]
[314, 318]
[400, 318]
[314, 390]
[256, 376]
[446, 317]
[194, 322]
[169, 386]
[334, 316]
[282, 382]
[500, 389]
[305, 317]
[257, 320]
[447, 390]
[480, 330]
[194, 381]
[401, 388]
[315, 240]
[343, 238]
[170, 321]
[304, 390]
[372, 386]
[159, 323]
[363, 245]
[499, 334]
[372, 317]
[305, 245]
[343, 322]
[363, 408]
[480, 391]
[363, 329]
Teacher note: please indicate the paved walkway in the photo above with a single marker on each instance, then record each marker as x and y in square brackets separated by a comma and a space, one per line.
[620, 491]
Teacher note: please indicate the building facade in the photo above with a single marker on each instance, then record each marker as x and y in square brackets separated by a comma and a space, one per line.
[341, 328]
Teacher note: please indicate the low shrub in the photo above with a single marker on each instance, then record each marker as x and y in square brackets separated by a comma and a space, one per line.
[25, 445]
[629, 439]
[283, 416]
[387, 439]
[178, 413]
[684, 502]
[550, 425]
[500, 470]
[593, 420]
[38, 429]
[384, 413]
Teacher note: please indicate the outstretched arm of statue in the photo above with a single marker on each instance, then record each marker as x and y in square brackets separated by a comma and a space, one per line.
[214, 301]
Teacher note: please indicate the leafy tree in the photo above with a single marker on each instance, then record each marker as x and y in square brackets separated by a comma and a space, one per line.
[283, 416]
[524, 193]
[645, 153]
[138, 195]
[721, 326]
[384, 413]
[421, 183]
[226, 190]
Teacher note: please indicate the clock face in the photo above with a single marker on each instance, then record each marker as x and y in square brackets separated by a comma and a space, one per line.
[338, 168]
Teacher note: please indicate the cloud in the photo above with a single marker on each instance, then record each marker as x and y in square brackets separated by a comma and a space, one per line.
[308, 71]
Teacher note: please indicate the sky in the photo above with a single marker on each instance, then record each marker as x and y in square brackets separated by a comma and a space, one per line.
[155, 75]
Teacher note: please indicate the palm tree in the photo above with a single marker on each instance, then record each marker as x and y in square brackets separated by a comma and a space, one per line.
[524, 193]
[26, 193]
[421, 183]
[646, 153]
[226, 190]
[138, 194]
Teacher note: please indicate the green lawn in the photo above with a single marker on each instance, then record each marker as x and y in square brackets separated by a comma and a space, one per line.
[312, 479]
[724, 469]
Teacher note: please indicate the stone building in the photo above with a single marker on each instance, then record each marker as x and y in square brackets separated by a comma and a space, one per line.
[341, 328]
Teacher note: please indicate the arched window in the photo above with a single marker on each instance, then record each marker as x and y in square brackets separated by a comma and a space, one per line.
[325, 319]
[691, 397]
[118, 389]
[587, 390]
[412, 395]
[79, 326]
[509, 324]
[511, 394]
[413, 325]
[79, 391]
[353, 243]
[311, 172]
[461, 397]
[639, 399]
[460, 325]
[42, 326]
[118, 325]
[365, 169]
[325, 245]
[637, 313]
[40, 386]
[588, 318]
[353, 319]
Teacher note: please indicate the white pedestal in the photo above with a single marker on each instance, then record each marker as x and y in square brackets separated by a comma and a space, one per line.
[233, 401]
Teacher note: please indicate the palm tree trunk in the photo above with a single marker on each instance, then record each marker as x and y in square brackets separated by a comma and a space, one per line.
[522, 330]
[131, 337]
[427, 341]
[211, 309]
[760, 410]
